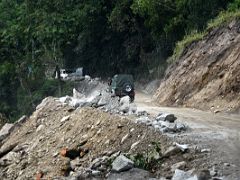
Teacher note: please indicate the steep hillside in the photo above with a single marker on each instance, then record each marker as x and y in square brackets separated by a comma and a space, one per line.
[207, 74]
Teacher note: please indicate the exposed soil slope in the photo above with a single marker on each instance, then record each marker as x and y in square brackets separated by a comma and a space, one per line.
[207, 74]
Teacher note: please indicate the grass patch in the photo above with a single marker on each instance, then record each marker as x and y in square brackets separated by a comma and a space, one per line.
[194, 36]
[223, 18]
[181, 45]
[151, 160]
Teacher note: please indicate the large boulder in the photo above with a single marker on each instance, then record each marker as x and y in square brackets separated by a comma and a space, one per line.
[121, 163]
[180, 175]
[125, 104]
[105, 98]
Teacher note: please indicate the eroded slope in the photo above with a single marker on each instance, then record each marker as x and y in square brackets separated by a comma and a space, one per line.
[207, 74]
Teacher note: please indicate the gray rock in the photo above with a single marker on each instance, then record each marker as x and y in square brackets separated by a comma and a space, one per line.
[6, 130]
[94, 98]
[203, 175]
[180, 127]
[166, 117]
[77, 95]
[65, 99]
[105, 98]
[22, 119]
[40, 127]
[134, 173]
[167, 127]
[121, 163]
[77, 102]
[132, 108]
[181, 175]
[113, 105]
[171, 127]
[142, 113]
[134, 145]
[195, 178]
[87, 77]
[124, 138]
[11, 157]
[205, 150]
[226, 164]
[183, 147]
[213, 172]
[143, 119]
[95, 173]
[99, 161]
[124, 104]
[66, 118]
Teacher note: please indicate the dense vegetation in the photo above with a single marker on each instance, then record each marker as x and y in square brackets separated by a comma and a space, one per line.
[105, 37]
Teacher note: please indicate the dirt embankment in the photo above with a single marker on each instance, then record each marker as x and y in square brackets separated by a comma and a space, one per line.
[207, 74]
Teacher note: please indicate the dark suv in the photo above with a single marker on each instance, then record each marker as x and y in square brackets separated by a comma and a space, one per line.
[122, 85]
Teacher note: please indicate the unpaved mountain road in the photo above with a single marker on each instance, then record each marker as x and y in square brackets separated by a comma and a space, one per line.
[219, 132]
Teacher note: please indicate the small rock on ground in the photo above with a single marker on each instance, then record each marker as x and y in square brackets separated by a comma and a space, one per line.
[134, 173]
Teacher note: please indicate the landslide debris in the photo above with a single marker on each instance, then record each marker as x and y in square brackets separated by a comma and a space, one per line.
[58, 141]
[207, 74]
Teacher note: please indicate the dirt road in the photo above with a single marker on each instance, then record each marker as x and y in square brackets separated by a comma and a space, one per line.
[218, 132]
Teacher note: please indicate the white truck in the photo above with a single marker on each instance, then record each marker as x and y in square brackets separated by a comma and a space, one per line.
[69, 74]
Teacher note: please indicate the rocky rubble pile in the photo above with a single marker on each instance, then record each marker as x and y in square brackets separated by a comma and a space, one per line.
[62, 142]
[89, 136]
[164, 122]
[93, 93]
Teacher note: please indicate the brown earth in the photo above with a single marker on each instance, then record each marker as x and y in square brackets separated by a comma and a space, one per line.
[38, 141]
[207, 74]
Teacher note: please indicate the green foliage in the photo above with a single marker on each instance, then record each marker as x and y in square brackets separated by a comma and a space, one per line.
[26, 103]
[150, 160]
[233, 12]
[234, 6]
[181, 45]
[106, 37]
[8, 85]
[223, 18]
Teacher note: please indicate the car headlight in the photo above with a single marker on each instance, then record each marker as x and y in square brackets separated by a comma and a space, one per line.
[128, 88]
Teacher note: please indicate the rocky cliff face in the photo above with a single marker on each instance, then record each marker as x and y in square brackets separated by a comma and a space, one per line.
[207, 74]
